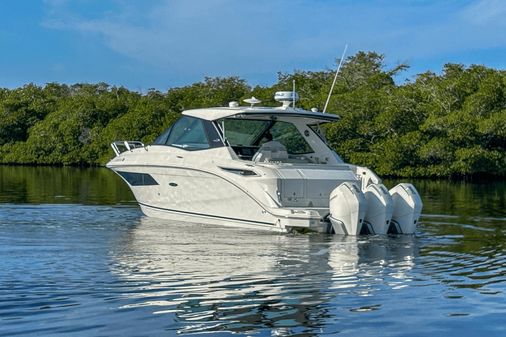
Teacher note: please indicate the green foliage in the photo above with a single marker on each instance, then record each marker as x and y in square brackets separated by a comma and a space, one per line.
[22, 108]
[211, 92]
[439, 125]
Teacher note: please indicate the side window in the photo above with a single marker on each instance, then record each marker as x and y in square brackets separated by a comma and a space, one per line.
[243, 132]
[290, 137]
[320, 131]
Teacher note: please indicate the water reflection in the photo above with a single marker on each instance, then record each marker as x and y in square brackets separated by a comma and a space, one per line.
[221, 279]
[462, 199]
[62, 185]
[103, 270]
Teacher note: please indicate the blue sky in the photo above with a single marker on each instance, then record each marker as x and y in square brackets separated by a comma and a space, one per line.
[167, 43]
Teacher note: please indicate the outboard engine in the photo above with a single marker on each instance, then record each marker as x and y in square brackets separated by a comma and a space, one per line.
[347, 209]
[379, 208]
[407, 207]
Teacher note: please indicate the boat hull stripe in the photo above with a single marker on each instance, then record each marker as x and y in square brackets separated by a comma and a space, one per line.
[206, 215]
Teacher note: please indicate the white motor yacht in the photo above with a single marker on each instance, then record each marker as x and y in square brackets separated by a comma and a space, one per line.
[261, 167]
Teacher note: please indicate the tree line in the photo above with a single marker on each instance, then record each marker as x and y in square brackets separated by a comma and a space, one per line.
[451, 124]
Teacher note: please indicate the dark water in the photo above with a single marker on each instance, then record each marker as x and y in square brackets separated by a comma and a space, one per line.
[77, 258]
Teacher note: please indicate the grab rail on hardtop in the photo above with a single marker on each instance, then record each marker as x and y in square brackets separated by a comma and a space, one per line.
[121, 146]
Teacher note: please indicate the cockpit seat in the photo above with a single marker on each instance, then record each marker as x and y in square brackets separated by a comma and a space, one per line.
[271, 151]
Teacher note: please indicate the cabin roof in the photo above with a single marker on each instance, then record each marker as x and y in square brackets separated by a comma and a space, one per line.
[252, 112]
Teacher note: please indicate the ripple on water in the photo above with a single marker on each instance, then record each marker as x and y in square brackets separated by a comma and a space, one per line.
[108, 271]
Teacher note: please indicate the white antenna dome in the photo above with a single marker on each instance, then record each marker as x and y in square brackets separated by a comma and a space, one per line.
[286, 97]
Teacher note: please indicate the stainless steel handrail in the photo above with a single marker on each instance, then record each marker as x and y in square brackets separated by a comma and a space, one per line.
[127, 145]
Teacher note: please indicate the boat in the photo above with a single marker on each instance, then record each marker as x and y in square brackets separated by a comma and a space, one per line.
[261, 167]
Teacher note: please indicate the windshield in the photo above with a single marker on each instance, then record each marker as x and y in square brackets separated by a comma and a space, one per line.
[254, 133]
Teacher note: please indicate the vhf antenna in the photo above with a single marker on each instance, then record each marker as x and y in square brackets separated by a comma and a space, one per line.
[335, 78]
[293, 93]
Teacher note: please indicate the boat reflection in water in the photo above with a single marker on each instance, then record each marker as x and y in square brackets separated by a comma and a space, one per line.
[225, 279]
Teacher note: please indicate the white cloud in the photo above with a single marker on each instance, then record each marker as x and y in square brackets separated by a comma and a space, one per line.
[223, 37]
[484, 12]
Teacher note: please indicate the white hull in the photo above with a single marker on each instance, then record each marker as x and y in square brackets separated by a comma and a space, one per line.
[180, 216]
[214, 197]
